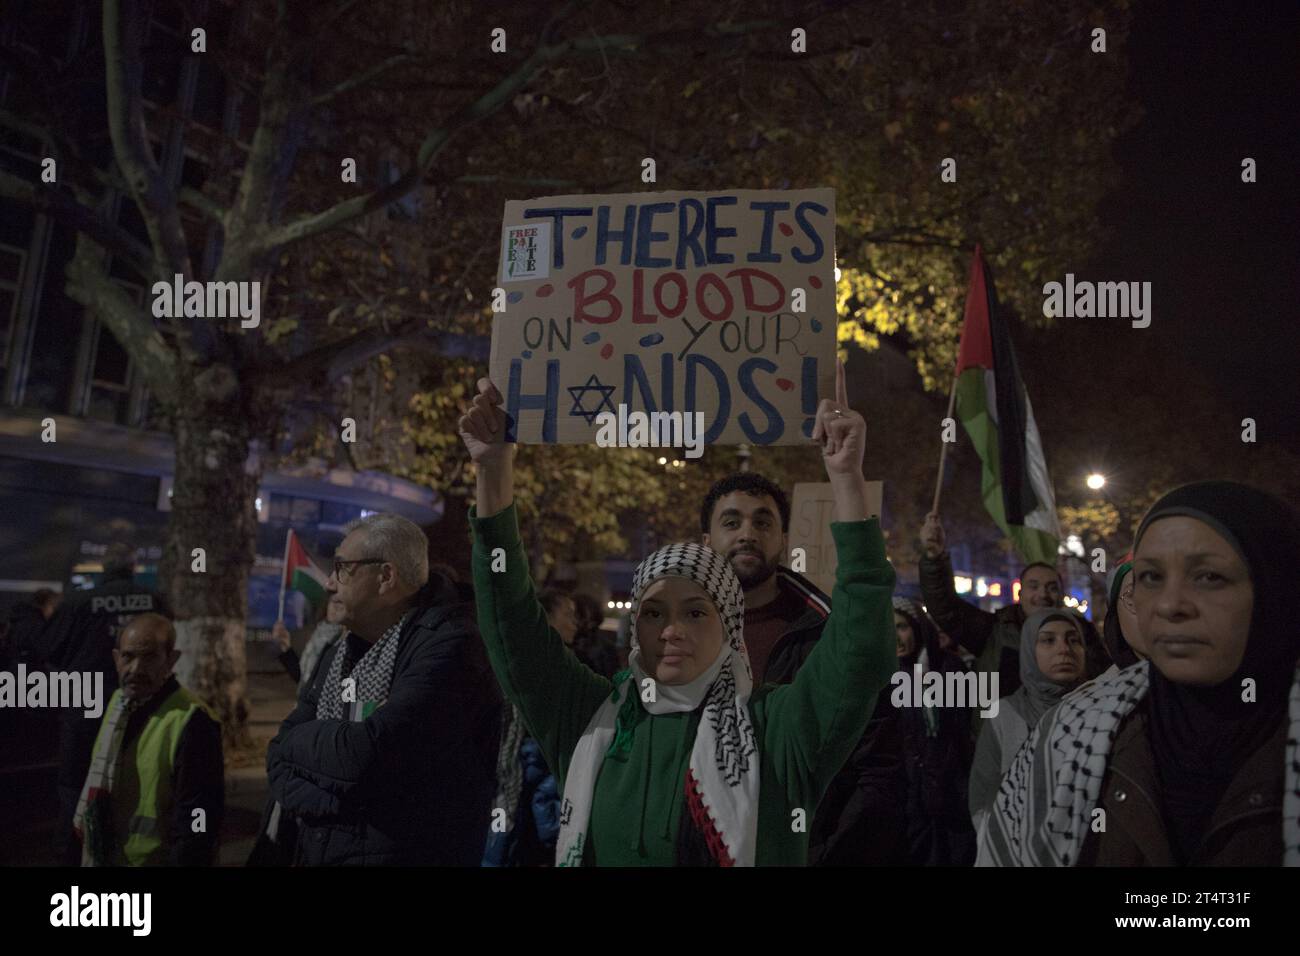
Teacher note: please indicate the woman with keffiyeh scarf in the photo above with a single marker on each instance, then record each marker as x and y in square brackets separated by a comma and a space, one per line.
[1052, 663]
[1190, 757]
[680, 760]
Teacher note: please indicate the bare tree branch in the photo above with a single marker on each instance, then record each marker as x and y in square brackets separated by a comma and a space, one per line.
[361, 79]
[55, 202]
[486, 104]
[90, 286]
[521, 181]
[204, 203]
[341, 356]
[126, 126]
[334, 16]
[892, 240]
[283, 107]
[350, 209]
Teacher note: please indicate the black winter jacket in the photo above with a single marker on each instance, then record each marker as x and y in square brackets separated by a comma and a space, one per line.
[80, 637]
[936, 770]
[83, 631]
[859, 820]
[414, 782]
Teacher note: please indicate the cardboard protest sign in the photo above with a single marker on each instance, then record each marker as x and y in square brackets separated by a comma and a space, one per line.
[811, 513]
[721, 304]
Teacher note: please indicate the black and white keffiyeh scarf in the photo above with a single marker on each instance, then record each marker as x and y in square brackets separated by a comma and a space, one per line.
[92, 820]
[510, 769]
[722, 781]
[1044, 808]
[322, 639]
[371, 677]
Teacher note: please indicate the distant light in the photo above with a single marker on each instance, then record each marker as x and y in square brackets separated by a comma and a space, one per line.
[663, 461]
[258, 504]
[366, 513]
[1015, 590]
[981, 587]
[838, 273]
[961, 584]
[995, 589]
[1070, 601]
[1083, 607]
[677, 463]
[1096, 482]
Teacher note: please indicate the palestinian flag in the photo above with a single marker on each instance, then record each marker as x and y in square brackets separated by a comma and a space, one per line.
[993, 406]
[300, 574]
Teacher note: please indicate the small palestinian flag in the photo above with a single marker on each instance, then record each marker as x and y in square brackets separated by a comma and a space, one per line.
[300, 574]
[994, 408]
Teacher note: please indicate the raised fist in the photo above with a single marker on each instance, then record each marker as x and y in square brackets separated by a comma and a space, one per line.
[932, 538]
[483, 426]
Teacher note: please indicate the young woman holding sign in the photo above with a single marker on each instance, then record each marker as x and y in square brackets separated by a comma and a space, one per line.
[680, 760]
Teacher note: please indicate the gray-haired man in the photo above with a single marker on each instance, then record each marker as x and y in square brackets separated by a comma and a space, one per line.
[390, 756]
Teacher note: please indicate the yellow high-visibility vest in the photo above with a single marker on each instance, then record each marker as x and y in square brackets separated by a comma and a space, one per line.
[142, 786]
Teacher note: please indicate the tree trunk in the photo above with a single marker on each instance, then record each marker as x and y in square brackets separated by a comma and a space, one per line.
[213, 508]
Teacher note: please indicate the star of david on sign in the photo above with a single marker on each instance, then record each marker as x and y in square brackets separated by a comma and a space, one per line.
[579, 392]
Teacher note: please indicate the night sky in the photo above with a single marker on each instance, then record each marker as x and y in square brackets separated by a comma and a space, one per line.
[1218, 82]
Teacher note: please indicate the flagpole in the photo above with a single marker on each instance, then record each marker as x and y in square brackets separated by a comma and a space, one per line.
[943, 449]
[284, 567]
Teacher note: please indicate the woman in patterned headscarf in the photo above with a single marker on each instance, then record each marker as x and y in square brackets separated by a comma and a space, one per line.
[1190, 757]
[680, 760]
[1052, 663]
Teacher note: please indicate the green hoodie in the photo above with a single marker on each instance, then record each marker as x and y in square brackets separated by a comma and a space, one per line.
[805, 730]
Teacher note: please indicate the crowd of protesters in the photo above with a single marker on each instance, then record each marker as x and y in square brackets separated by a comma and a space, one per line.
[751, 718]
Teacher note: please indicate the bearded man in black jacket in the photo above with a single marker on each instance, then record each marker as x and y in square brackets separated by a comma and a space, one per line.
[859, 822]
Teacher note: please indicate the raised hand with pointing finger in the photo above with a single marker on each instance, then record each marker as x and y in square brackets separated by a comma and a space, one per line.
[843, 436]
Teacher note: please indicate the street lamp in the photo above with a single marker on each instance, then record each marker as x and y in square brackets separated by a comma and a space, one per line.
[1096, 481]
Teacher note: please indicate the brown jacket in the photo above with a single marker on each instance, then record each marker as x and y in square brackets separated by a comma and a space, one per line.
[1245, 829]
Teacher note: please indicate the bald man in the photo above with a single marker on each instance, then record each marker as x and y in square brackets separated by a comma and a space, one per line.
[80, 637]
[155, 793]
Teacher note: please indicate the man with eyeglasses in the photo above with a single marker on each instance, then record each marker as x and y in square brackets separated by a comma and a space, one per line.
[389, 758]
